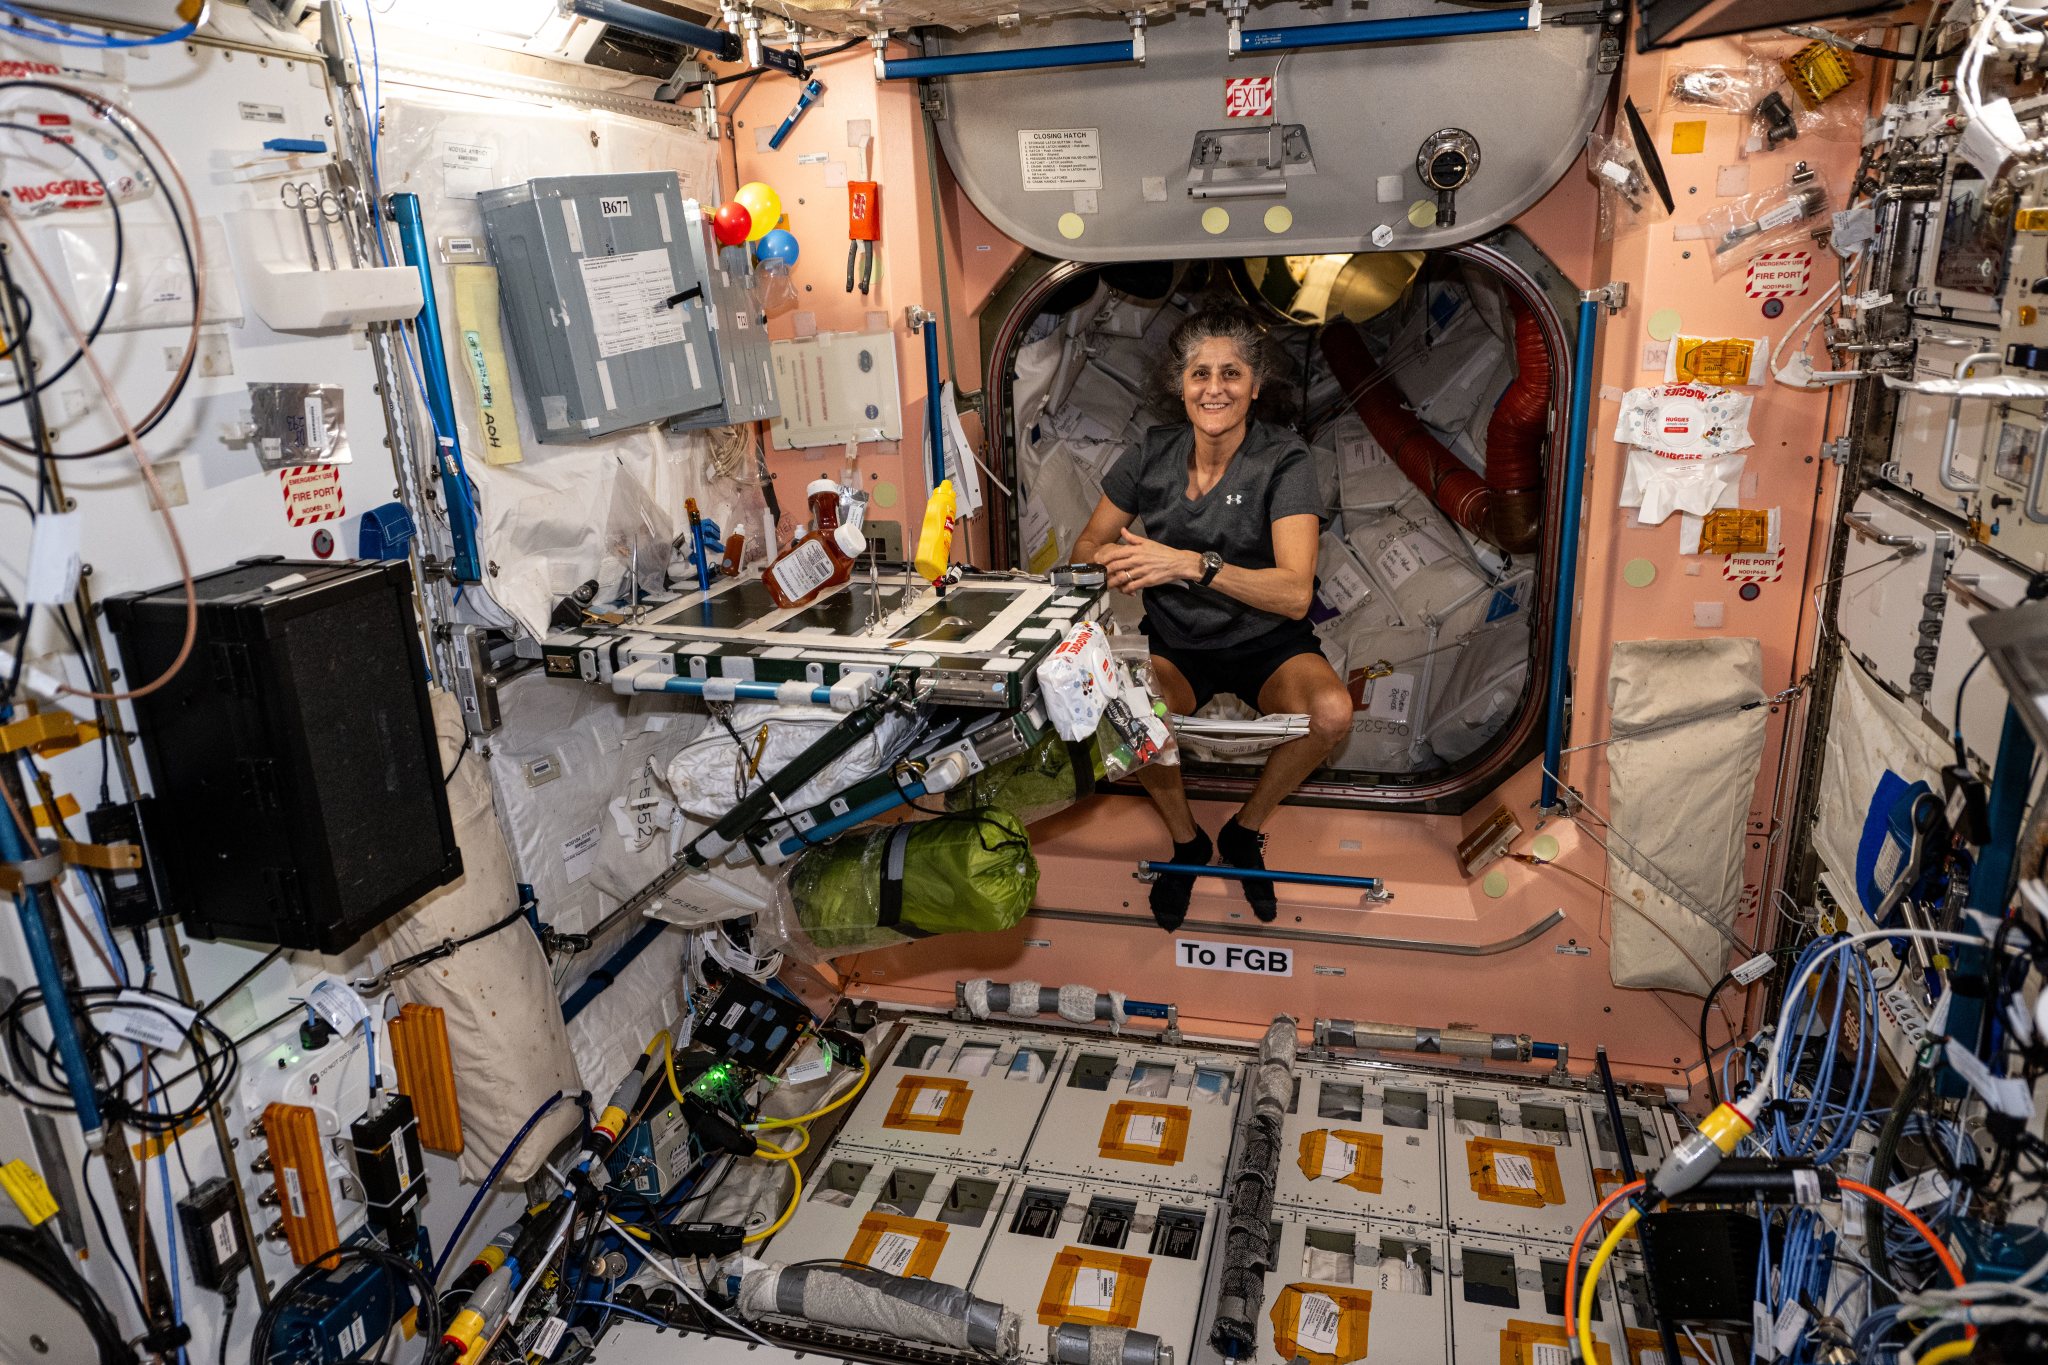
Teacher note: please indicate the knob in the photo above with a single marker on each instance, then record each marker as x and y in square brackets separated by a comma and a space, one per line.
[1446, 161]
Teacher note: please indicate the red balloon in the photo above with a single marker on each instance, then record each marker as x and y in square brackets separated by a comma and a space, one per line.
[732, 223]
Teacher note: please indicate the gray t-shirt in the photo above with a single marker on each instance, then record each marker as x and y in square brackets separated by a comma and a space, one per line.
[1271, 476]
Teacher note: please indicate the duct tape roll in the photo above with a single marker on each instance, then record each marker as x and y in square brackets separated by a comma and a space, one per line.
[1080, 1343]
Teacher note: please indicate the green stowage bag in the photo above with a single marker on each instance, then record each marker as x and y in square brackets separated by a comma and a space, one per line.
[968, 873]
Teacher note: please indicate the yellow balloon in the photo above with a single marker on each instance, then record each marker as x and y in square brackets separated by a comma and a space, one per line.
[764, 204]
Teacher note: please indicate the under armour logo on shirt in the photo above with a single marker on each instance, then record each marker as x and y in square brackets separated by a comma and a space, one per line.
[1233, 499]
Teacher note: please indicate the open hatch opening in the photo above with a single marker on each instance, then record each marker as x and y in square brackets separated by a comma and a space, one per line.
[1430, 388]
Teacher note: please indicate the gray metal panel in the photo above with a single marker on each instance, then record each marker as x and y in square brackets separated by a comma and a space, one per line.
[1401, 1267]
[739, 336]
[1529, 98]
[597, 353]
[1397, 1171]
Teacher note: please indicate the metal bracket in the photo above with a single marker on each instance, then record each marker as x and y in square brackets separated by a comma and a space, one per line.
[1613, 296]
[1837, 451]
[915, 318]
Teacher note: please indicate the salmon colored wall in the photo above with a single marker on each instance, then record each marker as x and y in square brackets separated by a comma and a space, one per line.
[1555, 988]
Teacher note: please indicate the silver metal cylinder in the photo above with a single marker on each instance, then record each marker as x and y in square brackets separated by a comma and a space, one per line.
[1455, 1042]
[1080, 1343]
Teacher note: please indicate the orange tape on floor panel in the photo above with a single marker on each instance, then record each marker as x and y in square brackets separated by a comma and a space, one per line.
[1091, 1285]
[1325, 1323]
[1606, 1182]
[1541, 1343]
[1523, 1173]
[1344, 1156]
[907, 1247]
[1135, 1130]
[929, 1104]
[1642, 1345]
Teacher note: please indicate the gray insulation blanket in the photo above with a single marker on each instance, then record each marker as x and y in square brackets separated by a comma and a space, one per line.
[871, 1301]
[1081, 1343]
[1248, 1195]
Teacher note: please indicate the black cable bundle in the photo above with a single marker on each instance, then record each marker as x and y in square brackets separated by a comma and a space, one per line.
[39, 1079]
[35, 1253]
[1248, 1235]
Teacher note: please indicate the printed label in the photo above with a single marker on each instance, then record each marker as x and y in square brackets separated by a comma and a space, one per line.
[893, 1251]
[259, 113]
[222, 1231]
[1315, 1326]
[615, 206]
[1404, 556]
[803, 1073]
[312, 493]
[579, 855]
[1548, 1353]
[1391, 697]
[1513, 1172]
[481, 155]
[802, 571]
[352, 1338]
[399, 1160]
[294, 1195]
[1340, 1157]
[1094, 1288]
[1344, 587]
[930, 1103]
[1232, 957]
[548, 1338]
[629, 301]
[1060, 158]
[1146, 1130]
[1779, 274]
[1248, 97]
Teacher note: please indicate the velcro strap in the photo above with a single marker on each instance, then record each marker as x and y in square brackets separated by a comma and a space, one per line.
[1081, 754]
[891, 913]
[38, 871]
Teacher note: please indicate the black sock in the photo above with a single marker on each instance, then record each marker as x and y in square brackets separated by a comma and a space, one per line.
[1172, 891]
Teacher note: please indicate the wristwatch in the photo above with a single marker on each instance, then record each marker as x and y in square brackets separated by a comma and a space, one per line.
[1211, 562]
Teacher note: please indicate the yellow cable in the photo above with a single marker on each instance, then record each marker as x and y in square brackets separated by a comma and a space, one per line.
[668, 1060]
[858, 1086]
[1948, 1350]
[1591, 1284]
[796, 1192]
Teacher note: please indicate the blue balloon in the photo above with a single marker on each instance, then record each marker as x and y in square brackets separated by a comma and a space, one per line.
[779, 245]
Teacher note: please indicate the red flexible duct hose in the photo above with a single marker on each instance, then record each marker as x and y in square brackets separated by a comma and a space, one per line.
[1506, 507]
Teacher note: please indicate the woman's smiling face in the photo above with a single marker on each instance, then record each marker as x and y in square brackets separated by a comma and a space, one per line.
[1218, 388]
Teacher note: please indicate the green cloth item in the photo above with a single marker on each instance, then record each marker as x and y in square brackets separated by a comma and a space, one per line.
[969, 873]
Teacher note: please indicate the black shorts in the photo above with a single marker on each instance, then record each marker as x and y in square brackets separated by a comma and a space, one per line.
[1242, 669]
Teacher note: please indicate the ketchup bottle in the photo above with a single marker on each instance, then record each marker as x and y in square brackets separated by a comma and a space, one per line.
[821, 557]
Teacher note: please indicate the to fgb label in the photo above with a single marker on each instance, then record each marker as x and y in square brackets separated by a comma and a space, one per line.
[1233, 957]
[1248, 97]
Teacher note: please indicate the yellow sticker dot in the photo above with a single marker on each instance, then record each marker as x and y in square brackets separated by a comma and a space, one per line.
[1215, 220]
[1072, 225]
[1422, 213]
[1664, 324]
[1495, 884]
[1279, 218]
[1639, 573]
[1545, 847]
[1688, 137]
[885, 494]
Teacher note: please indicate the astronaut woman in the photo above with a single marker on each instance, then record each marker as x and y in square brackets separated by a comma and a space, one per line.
[1226, 569]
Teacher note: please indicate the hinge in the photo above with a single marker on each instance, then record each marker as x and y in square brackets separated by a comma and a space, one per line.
[1837, 451]
[932, 99]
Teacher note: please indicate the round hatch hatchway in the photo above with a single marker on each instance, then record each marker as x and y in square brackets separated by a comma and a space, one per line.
[1416, 381]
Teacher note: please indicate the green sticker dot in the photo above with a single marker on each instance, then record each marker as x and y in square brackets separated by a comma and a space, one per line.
[1545, 847]
[1072, 225]
[885, 494]
[1639, 573]
[1495, 885]
[1422, 213]
[1664, 324]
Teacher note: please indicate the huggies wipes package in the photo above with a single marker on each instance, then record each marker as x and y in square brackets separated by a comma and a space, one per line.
[1083, 681]
[1684, 449]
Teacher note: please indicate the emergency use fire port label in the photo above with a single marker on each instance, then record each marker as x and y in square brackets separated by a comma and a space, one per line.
[1060, 158]
[1233, 957]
